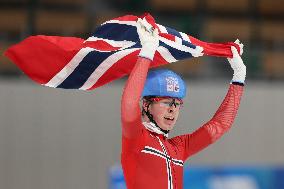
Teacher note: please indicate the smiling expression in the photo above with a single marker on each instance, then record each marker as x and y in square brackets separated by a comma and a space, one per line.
[165, 111]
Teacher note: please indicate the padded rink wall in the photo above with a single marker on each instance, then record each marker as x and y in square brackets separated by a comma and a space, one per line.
[69, 139]
[217, 177]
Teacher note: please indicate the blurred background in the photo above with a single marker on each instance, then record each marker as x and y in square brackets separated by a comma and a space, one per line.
[59, 139]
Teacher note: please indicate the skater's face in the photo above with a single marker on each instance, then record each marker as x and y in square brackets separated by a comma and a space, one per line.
[165, 111]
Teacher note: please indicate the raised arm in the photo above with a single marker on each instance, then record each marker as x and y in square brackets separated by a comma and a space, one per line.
[224, 116]
[220, 123]
[130, 108]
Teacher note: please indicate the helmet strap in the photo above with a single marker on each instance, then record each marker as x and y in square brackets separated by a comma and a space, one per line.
[150, 117]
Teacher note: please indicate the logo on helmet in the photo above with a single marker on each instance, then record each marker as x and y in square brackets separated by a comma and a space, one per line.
[172, 84]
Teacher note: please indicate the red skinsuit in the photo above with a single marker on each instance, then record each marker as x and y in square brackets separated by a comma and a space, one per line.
[151, 161]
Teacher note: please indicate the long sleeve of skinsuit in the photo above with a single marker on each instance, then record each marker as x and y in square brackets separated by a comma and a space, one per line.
[130, 107]
[220, 123]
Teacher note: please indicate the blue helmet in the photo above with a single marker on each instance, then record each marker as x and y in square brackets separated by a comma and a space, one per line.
[163, 82]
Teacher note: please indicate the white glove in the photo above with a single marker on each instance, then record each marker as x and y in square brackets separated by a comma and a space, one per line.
[237, 64]
[149, 40]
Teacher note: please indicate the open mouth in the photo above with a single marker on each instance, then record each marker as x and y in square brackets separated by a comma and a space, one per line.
[169, 118]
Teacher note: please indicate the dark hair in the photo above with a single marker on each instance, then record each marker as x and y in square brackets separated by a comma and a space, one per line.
[147, 99]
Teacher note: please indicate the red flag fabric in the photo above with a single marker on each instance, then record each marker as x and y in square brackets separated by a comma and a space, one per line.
[110, 53]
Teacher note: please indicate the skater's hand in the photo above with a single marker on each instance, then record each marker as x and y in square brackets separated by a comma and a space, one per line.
[149, 39]
[237, 64]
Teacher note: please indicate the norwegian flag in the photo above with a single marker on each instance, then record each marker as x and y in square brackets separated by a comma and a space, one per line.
[110, 53]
